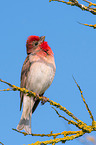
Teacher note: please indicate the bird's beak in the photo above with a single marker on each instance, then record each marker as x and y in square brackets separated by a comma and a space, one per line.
[42, 38]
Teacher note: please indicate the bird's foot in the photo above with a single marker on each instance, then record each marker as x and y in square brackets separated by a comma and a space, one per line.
[36, 97]
[45, 99]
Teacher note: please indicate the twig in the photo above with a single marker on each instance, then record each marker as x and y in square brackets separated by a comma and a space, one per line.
[1, 143]
[76, 3]
[90, 113]
[65, 133]
[90, 25]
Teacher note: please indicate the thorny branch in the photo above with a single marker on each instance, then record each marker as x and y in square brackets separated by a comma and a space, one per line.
[68, 135]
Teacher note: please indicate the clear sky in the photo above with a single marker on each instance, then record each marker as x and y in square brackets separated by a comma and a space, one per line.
[74, 48]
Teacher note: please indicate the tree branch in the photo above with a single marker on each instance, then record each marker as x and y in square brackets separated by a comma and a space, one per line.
[81, 6]
[68, 135]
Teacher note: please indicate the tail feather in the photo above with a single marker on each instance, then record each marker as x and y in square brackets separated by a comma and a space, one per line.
[25, 124]
[25, 121]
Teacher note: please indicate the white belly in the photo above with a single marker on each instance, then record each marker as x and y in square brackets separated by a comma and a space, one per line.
[40, 77]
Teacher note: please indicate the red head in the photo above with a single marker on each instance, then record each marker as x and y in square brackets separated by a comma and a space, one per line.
[34, 42]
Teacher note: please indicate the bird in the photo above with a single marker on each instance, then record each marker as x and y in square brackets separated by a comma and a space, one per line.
[37, 74]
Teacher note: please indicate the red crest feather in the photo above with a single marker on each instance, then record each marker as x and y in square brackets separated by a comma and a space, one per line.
[33, 38]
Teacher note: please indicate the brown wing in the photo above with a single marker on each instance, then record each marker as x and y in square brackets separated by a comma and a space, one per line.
[24, 73]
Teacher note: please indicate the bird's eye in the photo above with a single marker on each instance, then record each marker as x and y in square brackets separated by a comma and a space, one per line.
[36, 43]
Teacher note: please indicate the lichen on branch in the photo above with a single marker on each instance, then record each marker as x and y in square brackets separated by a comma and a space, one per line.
[90, 25]
[81, 6]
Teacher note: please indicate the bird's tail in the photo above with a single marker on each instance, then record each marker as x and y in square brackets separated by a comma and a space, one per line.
[25, 121]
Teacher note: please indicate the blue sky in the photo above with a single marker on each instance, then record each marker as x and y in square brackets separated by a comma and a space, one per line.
[74, 48]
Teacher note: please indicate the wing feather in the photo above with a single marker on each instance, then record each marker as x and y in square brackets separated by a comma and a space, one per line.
[24, 74]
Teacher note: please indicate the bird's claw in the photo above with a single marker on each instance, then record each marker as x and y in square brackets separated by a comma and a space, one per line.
[36, 97]
[45, 99]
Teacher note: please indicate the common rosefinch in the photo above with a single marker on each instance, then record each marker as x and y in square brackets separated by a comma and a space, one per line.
[37, 75]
